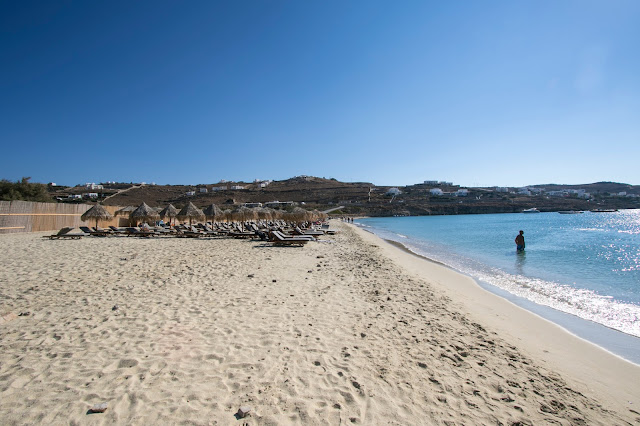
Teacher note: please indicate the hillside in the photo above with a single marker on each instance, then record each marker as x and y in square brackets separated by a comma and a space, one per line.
[367, 199]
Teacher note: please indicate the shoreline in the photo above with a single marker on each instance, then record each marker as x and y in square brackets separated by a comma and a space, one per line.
[617, 343]
[351, 330]
[598, 372]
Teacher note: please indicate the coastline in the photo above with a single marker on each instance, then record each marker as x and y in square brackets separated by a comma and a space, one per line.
[347, 330]
[595, 370]
[615, 342]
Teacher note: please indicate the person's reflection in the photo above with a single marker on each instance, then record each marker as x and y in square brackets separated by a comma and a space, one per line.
[521, 259]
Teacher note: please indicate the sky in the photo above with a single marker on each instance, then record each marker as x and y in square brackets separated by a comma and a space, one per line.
[480, 93]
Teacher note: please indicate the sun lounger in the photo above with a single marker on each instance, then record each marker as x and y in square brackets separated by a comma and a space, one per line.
[299, 231]
[137, 232]
[116, 230]
[64, 234]
[94, 233]
[276, 238]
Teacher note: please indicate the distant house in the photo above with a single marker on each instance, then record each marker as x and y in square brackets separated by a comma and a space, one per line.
[237, 187]
[218, 188]
[90, 195]
[393, 191]
[190, 193]
[430, 182]
[203, 190]
[501, 189]
[93, 186]
[462, 192]
[252, 205]
[436, 191]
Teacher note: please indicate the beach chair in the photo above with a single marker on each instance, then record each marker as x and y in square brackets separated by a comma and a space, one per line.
[117, 231]
[277, 239]
[307, 232]
[94, 233]
[65, 234]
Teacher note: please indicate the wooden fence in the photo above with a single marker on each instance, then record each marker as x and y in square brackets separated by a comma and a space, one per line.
[27, 216]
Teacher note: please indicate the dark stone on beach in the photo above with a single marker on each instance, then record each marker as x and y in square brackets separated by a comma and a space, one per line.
[356, 384]
[273, 281]
[337, 406]
[250, 276]
[115, 308]
[24, 314]
[319, 256]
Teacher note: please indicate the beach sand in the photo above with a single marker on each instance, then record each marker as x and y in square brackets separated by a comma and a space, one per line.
[347, 330]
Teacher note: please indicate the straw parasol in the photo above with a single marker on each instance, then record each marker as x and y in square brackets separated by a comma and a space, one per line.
[212, 212]
[228, 215]
[144, 213]
[299, 215]
[191, 212]
[97, 212]
[125, 211]
[170, 211]
[242, 214]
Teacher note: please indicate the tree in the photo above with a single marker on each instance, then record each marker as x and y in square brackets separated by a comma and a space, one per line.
[24, 190]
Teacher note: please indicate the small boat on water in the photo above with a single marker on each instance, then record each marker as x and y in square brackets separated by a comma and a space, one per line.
[531, 210]
[570, 212]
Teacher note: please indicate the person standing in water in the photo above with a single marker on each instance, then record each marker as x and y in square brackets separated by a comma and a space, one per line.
[520, 241]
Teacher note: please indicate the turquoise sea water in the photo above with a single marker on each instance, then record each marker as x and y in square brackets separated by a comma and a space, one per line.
[586, 265]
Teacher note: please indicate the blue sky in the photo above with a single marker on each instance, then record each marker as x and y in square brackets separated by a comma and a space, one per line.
[503, 93]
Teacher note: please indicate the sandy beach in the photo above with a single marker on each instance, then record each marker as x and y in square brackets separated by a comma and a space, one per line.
[347, 330]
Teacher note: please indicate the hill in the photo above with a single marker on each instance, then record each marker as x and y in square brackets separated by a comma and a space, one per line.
[364, 198]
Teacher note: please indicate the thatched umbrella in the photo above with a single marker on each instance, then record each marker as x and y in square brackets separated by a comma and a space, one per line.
[97, 212]
[170, 211]
[299, 215]
[125, 211]
[213, 212]
[228, 215]
[262, 213]
[242, 214]
[144, 213]
[191, 212]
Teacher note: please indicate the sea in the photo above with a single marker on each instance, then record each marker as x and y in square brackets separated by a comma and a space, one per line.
[581, 271]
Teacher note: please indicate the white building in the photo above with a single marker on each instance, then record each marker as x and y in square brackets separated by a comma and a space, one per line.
[430, 182]
[436, 191]
[203, 190]
[190, 193]
[237, 187]
[462, 192]
[501, 189]
[90, 195]
[93, 186]
[218, 188]
[252, 205]
[393, 191]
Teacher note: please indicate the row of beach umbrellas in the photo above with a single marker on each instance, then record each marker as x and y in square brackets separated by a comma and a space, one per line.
[145, 213]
